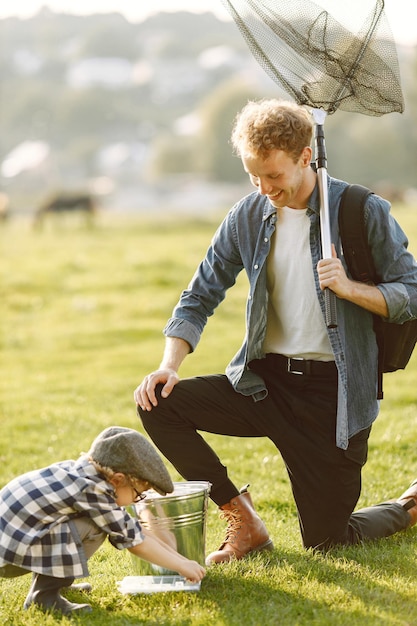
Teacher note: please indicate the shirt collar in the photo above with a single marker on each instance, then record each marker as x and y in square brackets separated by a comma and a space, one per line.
[313, 202]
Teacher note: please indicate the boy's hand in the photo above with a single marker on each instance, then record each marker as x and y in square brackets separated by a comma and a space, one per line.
[192, 571]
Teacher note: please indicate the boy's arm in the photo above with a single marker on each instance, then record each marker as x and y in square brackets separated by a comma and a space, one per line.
[160, 554]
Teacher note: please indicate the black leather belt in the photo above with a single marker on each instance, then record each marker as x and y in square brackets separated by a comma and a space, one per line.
[302, 367]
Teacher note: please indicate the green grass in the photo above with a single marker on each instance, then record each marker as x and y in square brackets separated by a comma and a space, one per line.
[81, 320]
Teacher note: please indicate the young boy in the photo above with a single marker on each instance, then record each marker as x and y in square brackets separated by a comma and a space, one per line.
[53, 519]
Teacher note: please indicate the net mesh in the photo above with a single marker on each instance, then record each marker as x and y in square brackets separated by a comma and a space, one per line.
[346, 62]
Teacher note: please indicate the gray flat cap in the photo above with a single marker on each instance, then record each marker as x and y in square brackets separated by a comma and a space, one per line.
[127, 451]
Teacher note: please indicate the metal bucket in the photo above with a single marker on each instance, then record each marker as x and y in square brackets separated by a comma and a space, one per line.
[178, 519]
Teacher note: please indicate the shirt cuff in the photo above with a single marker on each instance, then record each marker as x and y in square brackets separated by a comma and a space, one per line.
[183, 329]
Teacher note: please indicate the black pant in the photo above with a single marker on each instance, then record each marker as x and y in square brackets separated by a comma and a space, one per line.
[298, 415]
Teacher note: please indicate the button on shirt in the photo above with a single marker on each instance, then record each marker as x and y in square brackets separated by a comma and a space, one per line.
[242, 241]
[36, 510]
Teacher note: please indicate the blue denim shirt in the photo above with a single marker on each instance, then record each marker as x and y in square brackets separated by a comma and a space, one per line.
[243, 242]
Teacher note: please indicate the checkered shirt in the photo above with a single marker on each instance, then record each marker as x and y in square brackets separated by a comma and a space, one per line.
[36, 510]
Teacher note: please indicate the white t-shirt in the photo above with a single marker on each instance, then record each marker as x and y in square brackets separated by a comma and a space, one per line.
[295, 325]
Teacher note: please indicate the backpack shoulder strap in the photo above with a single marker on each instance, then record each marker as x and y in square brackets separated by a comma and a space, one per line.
[353, 233]
[357, 253]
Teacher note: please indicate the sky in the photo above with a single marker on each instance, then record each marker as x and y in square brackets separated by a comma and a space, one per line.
[401, 14]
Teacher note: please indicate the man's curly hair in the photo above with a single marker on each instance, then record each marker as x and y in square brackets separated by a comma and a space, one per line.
[267, 125]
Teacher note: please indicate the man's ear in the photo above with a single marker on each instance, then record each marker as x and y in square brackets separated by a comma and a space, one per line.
[306, 156]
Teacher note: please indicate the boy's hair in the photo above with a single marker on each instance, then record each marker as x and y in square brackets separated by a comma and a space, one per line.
[267, 125]
[108, 472]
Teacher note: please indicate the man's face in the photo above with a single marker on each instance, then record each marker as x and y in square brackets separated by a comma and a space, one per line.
[284, 182]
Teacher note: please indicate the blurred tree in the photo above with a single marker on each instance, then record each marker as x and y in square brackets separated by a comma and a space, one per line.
[115, 37]
[377, 151]
[364, 149]
[410, 128]
[171, 155]
[218, 112]
[184, 34]
[173, 75]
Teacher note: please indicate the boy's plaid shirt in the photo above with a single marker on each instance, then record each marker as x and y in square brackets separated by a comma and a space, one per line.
[36, 510]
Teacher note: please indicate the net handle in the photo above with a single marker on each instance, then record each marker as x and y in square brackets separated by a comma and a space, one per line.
[326, 243]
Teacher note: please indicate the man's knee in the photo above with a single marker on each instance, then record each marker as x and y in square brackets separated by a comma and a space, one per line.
[153, 419]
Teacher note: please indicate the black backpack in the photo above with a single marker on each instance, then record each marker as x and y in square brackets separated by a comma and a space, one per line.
[395, 341]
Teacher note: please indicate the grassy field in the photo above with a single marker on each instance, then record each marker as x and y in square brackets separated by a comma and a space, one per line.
[81, 319]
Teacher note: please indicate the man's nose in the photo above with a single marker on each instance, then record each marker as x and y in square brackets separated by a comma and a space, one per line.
[264, 187]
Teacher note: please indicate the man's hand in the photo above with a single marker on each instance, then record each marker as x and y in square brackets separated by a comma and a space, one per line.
[145, 396]
[176, 349]
[332, 275]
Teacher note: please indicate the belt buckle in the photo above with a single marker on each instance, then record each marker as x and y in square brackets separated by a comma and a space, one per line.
[290, 370]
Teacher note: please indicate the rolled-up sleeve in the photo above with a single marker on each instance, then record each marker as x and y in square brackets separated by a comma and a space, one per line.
[177, 327]
[399, 303]
[396, 267]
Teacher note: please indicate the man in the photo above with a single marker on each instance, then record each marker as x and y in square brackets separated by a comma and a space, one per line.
[310, 389]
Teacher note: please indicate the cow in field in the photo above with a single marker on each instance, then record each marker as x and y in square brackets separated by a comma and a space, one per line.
[64, 203]
[4, 206]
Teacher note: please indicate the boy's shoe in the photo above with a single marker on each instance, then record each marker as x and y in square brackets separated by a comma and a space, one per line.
[44, 593]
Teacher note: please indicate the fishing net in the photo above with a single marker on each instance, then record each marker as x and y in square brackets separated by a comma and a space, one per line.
[345, 60]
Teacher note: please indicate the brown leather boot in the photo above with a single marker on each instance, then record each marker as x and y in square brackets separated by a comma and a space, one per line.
[245, 530]
[409, 501]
